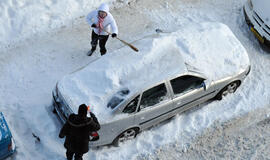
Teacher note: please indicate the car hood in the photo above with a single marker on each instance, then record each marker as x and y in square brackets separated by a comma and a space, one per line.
[210, 47]
[261, 7]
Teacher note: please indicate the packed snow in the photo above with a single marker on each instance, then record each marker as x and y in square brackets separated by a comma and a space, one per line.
[30, 69]
[22, 19]
[210, 47]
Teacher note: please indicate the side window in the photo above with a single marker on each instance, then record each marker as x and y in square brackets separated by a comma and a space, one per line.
[153, 96]
[185, 83]
[131, 107]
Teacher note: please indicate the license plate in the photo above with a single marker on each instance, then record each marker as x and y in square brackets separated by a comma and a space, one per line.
[257, 35]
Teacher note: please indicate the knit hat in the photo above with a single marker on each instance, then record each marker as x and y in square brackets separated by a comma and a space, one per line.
[82, 111]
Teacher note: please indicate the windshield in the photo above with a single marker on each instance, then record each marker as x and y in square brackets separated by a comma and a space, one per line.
[117, 98]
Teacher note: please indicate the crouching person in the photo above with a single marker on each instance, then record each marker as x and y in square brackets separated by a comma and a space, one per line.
[77, 129]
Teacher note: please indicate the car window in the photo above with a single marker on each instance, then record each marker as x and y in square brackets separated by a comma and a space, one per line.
[186, 83]
[153, 96]
[131, 107]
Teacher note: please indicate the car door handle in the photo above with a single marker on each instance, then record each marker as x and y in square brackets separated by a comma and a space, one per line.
[142, 118]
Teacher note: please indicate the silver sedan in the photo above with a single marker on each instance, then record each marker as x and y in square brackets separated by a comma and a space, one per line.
[137, 103]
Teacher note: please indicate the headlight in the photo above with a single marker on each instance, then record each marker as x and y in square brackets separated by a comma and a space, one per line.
[55, 93]
[250, 4]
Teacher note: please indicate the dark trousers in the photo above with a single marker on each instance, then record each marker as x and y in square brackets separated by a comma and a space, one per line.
[70, 154]
[102, 42]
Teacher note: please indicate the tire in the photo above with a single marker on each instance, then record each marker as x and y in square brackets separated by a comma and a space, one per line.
[126, 135]
[230, 88]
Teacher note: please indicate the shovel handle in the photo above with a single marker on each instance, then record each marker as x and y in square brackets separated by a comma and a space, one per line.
[126, 43]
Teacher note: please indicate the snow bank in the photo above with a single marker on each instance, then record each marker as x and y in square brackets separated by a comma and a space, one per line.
[210, 47]
[22, 19]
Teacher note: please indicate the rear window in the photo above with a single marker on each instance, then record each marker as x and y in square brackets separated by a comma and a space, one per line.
[118, 98]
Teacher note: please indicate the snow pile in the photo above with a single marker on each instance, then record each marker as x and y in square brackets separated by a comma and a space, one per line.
[211, 47]
[99, 81]
[22, 19]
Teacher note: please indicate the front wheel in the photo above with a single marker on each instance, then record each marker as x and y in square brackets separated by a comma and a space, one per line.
[230, 88]
[126, 135]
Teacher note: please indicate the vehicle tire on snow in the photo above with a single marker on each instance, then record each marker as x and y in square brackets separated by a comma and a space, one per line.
[126, 135]
[230, 88]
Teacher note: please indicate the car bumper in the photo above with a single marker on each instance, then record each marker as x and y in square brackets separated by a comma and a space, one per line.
[9, 152]
[257, 27]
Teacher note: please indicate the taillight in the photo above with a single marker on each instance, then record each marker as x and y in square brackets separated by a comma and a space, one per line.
[10, 146]
[94, 136]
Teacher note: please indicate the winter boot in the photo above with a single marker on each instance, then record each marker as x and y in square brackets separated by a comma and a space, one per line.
[89, 53]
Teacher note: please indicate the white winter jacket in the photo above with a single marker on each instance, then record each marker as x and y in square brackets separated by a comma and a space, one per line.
[109, 23]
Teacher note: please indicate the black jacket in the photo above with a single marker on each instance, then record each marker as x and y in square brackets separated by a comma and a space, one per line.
[77, 130]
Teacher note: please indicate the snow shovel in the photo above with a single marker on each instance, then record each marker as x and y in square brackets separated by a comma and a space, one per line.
[126, 43]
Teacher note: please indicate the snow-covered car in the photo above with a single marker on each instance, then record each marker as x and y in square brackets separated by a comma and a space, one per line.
[257, 16]
[130, 92]
[7, 145]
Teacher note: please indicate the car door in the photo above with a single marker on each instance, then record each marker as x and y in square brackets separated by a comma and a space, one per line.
[125, 121]
[128, 114]
[154, 105]
[189, 91]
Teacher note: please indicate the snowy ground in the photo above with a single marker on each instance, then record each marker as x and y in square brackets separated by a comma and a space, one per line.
[239, 138]
[29, 71]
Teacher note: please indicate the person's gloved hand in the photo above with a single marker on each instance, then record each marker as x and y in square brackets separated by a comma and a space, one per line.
[94, 25]
[114, 35]
[92, 114]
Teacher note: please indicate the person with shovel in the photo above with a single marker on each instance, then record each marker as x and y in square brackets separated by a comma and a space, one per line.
[103, 24]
